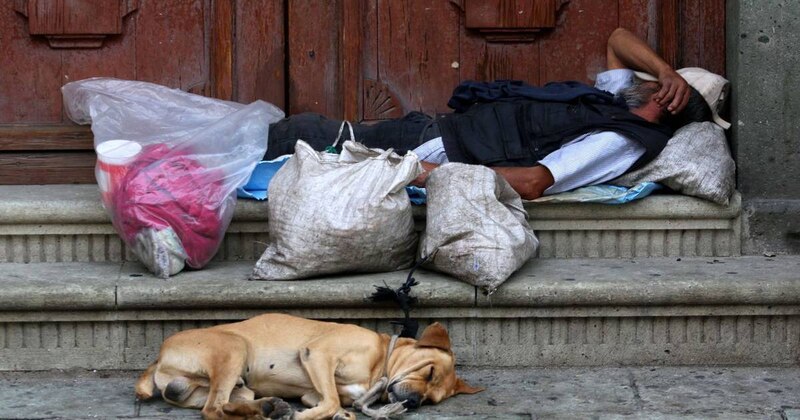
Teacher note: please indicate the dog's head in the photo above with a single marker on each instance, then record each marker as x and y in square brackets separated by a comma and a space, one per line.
[425, 372]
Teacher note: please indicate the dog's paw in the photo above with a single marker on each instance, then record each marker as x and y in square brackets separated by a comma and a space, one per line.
[276, 408]
[213, 414]
[143, 395]
[344, 415]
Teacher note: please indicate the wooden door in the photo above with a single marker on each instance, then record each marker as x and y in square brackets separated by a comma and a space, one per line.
[403, 55]
[222, 48]
[360, 59]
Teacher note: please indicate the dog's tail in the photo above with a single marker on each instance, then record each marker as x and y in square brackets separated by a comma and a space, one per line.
[146, 383]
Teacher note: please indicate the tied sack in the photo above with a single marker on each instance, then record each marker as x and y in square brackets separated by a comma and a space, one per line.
[332, 213]
[477, 229]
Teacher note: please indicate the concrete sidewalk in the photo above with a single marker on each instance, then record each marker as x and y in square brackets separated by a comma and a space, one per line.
[528, 393]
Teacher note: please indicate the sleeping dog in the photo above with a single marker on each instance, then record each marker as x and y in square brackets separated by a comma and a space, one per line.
[223, 369]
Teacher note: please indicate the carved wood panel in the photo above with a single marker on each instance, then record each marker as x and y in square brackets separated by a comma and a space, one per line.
[510, 20]
[380, 102]
[75, 23]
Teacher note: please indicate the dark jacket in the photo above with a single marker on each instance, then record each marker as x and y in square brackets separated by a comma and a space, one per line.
[470, 92]
[514, 131]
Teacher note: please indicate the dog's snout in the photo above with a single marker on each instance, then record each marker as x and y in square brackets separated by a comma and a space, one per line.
[412, 402]
[390, 388]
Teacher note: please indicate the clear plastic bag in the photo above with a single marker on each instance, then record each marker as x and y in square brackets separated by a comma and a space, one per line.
[169, 163]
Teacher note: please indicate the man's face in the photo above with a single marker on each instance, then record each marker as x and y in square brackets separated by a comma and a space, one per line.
[651, 89]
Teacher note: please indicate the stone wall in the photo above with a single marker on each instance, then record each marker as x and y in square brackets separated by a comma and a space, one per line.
[762, 64]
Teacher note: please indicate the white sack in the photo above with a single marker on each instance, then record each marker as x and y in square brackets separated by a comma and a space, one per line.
[333, 213]
[696, 162]
[476, 225]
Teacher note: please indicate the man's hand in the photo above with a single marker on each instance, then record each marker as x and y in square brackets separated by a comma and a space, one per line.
[626, 51]
[674, 93]
[427, 167]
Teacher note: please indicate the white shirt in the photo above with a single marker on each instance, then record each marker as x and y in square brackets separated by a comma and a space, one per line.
[591, 159]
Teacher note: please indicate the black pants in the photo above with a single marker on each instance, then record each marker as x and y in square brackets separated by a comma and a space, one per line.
[402, 134]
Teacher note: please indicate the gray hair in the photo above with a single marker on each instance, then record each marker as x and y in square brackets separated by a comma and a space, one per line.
[638, 93]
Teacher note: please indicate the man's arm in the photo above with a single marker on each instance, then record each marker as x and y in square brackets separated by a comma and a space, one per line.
[528, 181]
[626, 50]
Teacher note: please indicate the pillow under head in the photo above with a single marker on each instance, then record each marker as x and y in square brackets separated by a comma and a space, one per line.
[696, 162]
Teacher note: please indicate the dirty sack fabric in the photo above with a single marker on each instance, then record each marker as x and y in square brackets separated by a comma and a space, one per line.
[335, 213]
[696, 162]
[477, 229]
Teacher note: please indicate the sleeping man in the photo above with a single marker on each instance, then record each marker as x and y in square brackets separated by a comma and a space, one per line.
[541, 140]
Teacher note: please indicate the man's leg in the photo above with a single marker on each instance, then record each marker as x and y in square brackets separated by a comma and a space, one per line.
[401, 134]
[314, 129]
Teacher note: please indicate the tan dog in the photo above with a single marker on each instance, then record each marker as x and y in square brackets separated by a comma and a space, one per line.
[327, 365]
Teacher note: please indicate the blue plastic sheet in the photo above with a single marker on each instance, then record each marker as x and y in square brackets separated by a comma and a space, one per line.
[257, 187]
[604, 193]
[258, 184]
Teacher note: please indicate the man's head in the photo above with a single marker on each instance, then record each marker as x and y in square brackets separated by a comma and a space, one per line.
[708, 92]
[425, 371]
[640, 98]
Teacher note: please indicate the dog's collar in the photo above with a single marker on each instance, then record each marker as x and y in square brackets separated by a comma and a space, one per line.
[374, 393]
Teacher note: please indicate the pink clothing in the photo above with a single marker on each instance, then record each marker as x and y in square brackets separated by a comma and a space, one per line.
[166, 188]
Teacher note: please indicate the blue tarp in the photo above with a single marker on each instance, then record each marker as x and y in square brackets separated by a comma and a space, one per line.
[258, 184]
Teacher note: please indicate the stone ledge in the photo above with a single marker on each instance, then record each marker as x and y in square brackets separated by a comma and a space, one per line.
[652, 282]
[648, 282]
[74, 286]
[225, 285]
[67, 223]
[80, 204]
[587, 312]
[221, 285]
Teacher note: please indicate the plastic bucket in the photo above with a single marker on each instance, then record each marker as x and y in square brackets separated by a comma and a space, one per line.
[113, 158]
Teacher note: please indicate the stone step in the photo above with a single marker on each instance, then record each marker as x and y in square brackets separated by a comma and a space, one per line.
[66, 223]
[579, 312]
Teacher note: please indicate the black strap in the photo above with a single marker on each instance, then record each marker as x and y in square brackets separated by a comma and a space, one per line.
[402, 297]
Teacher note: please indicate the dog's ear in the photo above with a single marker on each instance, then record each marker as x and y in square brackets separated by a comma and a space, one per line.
[435, 335]
[464, 388]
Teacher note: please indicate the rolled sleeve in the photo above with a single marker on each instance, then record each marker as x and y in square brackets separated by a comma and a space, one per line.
[614, 80]
[594, 159]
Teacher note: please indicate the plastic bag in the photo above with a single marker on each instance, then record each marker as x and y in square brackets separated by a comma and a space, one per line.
[332, 213]
[603, 193]
[169, 163]
[476, 228]
[257, 187]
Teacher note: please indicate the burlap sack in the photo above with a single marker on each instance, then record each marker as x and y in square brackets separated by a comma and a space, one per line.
[476, 229]
[696, 162]
[332, 213]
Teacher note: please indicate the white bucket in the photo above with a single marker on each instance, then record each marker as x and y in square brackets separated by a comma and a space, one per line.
[113, 158]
